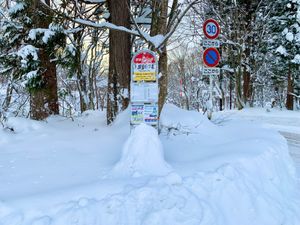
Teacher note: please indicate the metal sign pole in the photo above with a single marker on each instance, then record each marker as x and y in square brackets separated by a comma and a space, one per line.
[210, 101]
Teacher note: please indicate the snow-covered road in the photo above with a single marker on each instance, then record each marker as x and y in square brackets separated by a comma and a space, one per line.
[294, 147]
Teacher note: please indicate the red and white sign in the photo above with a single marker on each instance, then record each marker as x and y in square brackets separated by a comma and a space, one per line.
[144, 58]
[211, 57]
[211, 29]
[144, 67]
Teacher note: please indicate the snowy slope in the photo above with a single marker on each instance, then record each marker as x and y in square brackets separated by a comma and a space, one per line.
[63, 172]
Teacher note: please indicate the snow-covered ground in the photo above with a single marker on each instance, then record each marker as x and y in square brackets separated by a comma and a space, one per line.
[284, 121]
[280, 120]
[64, 172]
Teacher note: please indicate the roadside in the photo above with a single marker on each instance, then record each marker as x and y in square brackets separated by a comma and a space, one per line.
[294, 147]
[287, 123]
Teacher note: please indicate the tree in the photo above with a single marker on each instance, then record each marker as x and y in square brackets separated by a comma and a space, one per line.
[164, 24]
[28, 43]
[285, 43]
[85, 48]
[119, 59]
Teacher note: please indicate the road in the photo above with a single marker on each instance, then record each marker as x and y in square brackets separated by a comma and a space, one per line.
[294, 147]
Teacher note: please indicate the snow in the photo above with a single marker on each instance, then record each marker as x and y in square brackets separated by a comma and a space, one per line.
[281, 50]
[63, 172]
[27, 50]
[156, 40]
[47, 34]
[17, 7]
[285, 121]
[276, 119]
[296, 59]
[142, 154]
[289, 36]
[71, 49]
[31, 74]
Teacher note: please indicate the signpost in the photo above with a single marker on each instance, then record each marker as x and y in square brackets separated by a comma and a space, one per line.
[211, 56]
[144, 89]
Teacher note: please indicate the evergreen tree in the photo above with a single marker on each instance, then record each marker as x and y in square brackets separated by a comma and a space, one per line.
[285, 43]
[28, 42]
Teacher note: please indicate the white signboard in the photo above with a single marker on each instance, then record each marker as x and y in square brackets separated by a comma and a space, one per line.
[144, 92]
[210, 43]
[211, 71]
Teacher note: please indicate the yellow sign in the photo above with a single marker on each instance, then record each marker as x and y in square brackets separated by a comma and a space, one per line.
[144, 76]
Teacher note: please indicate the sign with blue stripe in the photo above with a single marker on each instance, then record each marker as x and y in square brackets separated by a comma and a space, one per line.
[211, 57]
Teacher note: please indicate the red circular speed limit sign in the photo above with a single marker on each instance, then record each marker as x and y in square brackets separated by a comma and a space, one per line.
[211, 29]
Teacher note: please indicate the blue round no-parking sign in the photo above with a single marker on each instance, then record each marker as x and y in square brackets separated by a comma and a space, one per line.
[211, 57]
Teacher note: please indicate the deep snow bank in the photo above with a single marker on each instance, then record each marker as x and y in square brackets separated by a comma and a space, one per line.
[242, 171]
[231, 175]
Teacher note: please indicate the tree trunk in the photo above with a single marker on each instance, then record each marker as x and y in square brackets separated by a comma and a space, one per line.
[81, 79]
[119, 60]
[163, 80]
[290, 90]
[230, 93]
[159, 26]
[238, 89]
[44, 101]
[8, 97]
[246, 86]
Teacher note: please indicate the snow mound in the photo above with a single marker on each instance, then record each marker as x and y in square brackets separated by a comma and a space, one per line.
[22, 125]
[142, 154]
[172, 116]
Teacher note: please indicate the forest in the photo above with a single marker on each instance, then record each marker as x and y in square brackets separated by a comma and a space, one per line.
[69, 56]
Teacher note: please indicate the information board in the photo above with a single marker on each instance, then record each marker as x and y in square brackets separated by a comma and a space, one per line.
[144, 113]
[144, 88]
[144, 92]
[137, 113]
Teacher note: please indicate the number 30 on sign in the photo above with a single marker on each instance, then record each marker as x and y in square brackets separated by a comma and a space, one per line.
[211, 29]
